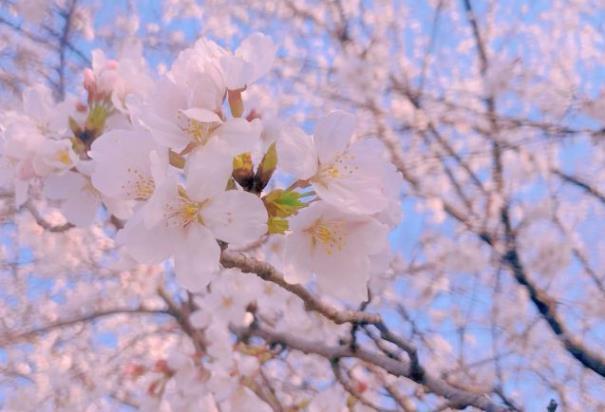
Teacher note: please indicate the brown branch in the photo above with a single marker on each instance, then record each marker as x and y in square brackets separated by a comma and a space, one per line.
[44, 223]
[456, 397]
[585, 186]
[43, 40]
[63, 41]
[481, 51]
[507, 401]
[267, 272]
[15, 337]
[581, 258]
[413, 369]
[181, 315]
[546, 305]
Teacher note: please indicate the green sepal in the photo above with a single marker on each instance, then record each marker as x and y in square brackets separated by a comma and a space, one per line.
[266, 168]
[243, 171]
[277, 225]
[282, 203]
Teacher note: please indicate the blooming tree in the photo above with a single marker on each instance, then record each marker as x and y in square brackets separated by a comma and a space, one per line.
[310, 207]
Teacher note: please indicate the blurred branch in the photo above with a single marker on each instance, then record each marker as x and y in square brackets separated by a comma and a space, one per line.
[585, 186]
[545, 304]
[43, 40]
[348, 386]
[181, 314]
[43, 222]
[457, 398]
[15, 337]
[63, 45]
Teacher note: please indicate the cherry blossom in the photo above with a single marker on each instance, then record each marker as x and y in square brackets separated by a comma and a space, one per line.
[252, 60]
[348, 175]
[179, 118]
[398, 210]
[127, 164]
[333, 244]
[185, 221]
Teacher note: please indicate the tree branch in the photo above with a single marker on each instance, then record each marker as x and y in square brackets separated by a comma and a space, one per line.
[12, 338]
[43, 222]
[576, 181]
[457, 398]
[267, 272]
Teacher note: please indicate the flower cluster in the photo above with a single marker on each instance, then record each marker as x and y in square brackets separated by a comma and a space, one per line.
[191, 171]
[186, 171]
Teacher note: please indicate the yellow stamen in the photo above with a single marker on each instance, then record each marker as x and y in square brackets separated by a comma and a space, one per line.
[199, 132]
[327, 235]
[63, 157]
[341, 167]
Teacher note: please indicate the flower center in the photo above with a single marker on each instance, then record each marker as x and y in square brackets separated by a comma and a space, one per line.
[341, 167]
[329, 236]
[63, 157]
[199, 132]
[186, 211]
[138, 186]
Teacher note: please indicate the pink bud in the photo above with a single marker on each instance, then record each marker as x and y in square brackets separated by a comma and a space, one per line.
[89, 79]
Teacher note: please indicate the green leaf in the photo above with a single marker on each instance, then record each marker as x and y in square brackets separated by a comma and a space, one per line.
[281, 203]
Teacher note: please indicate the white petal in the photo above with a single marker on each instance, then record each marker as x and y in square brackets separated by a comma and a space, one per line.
[196, 260]
[21, 192]
[298, 255]
[64, 186]
[54, 156]
[158, 162]
[340, 261]
[333, 133]
[99, 60]
[236, 217]
[81, 209]
[122, 209]
[259, 50]
[164, 198]
[38, 102]
[122, 164]
[296, 153]
[240, 135]
[354, 181]
[202, 115]
[349, 282]
[207, 90]
[160, 115]
[208, 171]
[149, 246]
[236, 71]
